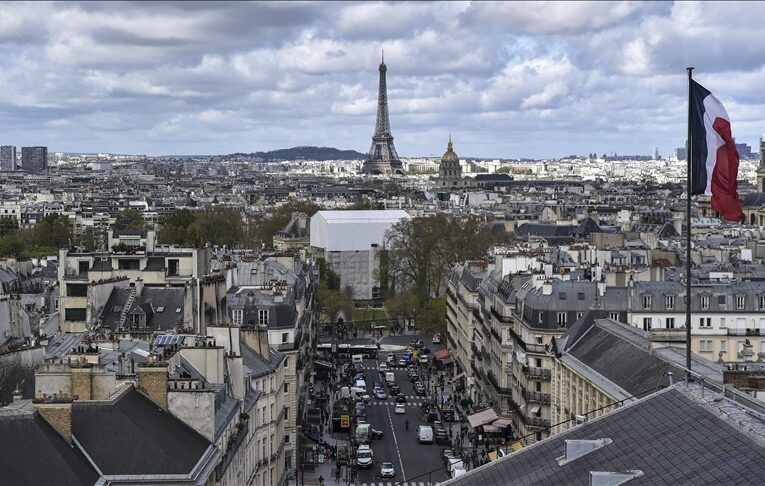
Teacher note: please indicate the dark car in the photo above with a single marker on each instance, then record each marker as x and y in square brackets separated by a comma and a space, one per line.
[431, 416]
[359, 376]
[413, 378]
[417, 343]
[424, 351]
[419, 389]
[361, 410]
[395, 390]
[441, 436]
[400, 398]
[427, 405]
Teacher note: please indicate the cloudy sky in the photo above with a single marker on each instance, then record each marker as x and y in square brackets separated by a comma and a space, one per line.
[506, 80]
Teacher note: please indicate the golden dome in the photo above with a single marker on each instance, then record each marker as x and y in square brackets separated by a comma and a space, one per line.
[450, 155]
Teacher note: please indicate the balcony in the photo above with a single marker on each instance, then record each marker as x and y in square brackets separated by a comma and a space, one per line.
[746, 332]
[537, 422]
[500, 317]
[476, 353]
[495, 384]
[537, 374]
[537, 397]
[477, 316]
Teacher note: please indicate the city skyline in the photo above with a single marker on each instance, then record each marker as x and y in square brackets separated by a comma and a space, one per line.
[506, 80]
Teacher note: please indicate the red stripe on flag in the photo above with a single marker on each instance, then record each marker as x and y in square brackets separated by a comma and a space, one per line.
[725, 198]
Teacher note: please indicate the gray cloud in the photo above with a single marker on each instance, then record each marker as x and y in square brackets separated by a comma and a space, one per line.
[506, 79]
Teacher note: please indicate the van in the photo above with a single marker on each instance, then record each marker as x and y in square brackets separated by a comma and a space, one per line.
[390, 377]
[357, 358]
[345, 392]
[425, 434]
[363, 433]
[361, 384]
[357, 393]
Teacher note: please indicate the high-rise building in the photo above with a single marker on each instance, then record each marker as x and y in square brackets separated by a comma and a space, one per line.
[8, 157]
[382, 158]
[34, 159]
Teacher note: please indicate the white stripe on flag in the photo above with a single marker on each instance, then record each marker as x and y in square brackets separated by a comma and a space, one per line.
[712, 110]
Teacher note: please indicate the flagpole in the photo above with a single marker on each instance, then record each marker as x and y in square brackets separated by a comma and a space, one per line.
[688, 155]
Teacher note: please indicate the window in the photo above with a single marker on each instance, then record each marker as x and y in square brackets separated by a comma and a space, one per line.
[579, 315]
[580, 295]
[285, 337]
[646, 302]
[237, 316]
[670, 322]
[722, 322]
[263, 317]
[705, 346]
[705, 322]
[287, 362]
[271, 415]
[75, 314]
[539, 339]
[614, 316]
[740, 301]
[724, 346]
[761, 301]
[160, 309]
[172, 267]
[705, 302]
[669, 302]
[287, 439]
[177, 310]
[647, 323]
[271, 389]
[286, 388]
[286, 413]
[561, 319]
[721, 300]
[761, 324]
[562, 295]
[540, 318]
[539, 362]
[740, 323]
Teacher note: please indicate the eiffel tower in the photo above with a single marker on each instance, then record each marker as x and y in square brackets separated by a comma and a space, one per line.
[382, 157]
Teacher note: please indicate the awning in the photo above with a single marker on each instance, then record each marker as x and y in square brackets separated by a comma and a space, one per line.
[491, 428]
[458, 377]
[322, 364]
[444, 353]
[535, 408]
[446, 361]
[483, 417]
[502, 422]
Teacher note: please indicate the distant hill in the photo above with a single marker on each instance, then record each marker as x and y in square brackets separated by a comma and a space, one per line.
[307, 153]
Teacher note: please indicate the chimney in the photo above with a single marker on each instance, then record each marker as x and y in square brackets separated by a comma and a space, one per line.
[152, 380]
[547, 288]
[17, 395]
[138, 287]
[57, 411]
[256, 337]
[81, 382]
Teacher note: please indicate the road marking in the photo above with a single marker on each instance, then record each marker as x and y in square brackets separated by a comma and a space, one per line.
[395, 442]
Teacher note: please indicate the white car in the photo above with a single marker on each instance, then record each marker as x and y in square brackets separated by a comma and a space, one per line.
[436, 339]
[382, 367]
[364, 456]
[399, 408]
[380, 394]
[387, 470]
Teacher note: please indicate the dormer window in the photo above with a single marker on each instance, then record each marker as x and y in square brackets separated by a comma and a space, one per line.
[740, 301]
[704, 302]
[669, 302]
[761, 301]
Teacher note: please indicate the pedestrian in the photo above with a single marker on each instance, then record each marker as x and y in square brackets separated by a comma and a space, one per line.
[321, 480]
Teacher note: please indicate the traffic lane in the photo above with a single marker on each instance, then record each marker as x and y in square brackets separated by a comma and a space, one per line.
[384, 449]
[421, 461]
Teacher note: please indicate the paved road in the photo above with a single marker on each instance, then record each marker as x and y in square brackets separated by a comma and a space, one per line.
[415, 463]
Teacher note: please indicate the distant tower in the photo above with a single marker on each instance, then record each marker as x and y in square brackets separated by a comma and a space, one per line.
[761, 168]
[449, 170]
[382, 158]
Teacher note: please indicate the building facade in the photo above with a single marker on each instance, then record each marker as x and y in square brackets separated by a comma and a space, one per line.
[34, 159]
[8, 157]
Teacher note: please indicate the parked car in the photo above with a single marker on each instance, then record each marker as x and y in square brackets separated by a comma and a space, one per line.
[387, 470]
[447, 454]
[441, 436]
[364, 456]
[399, 408]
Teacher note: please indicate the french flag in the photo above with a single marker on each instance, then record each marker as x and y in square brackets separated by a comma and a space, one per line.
[714, 159]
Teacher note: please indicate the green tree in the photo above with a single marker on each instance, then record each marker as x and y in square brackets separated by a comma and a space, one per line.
[217, 226]
[130, 218]
[331, 302]
[431, 317]
[421, 251]
[327, 275]
[175, 228]
[403, 305]
[8, 224]
[52, 231]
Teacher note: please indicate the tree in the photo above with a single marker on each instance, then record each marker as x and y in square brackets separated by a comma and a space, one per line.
[53, 230]
[217, 226]
[421, 251]
[175, 228]
[330, 302]
[130, 218]
[8, 224]
[431, 318]
[327, 275]
[403, 305]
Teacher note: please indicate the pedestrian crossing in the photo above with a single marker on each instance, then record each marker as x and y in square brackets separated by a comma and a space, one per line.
[397, 483]
[393, 404]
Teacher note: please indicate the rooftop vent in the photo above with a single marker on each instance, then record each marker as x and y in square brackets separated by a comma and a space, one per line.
[574, 449]
[607, 478]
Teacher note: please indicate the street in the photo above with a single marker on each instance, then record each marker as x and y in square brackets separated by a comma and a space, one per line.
[414, 463]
